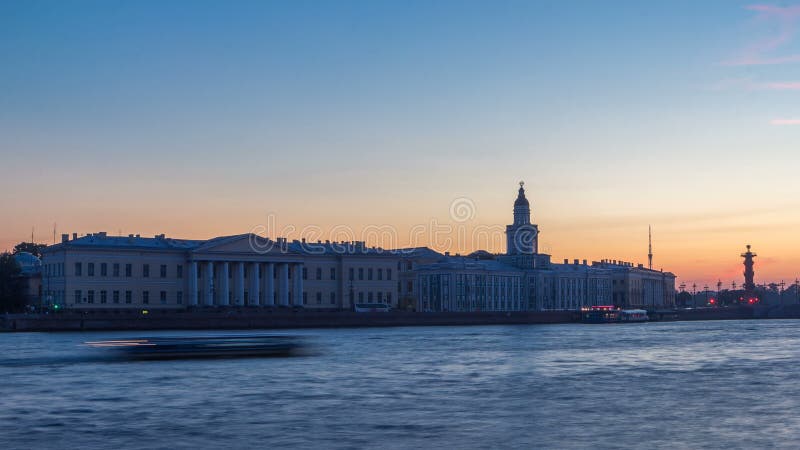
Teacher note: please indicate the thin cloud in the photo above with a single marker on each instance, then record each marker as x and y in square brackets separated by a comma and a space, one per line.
[748, 84]
[785, 122]
[760, 53]
[778, 86]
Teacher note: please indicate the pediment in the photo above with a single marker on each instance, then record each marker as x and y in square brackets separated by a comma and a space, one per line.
[249, 244]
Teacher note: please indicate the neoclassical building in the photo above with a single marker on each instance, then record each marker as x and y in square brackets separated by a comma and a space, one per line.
[523, 279]
[98, 271]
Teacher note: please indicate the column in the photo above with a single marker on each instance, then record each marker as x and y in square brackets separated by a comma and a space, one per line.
[193, 283]
[254, 284]
[209, 291]
[269, 284]
[297, 278]
[283, 284]
[224, 285]
[239, 283]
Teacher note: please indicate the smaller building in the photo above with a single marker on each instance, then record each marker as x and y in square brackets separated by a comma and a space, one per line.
[635, 286]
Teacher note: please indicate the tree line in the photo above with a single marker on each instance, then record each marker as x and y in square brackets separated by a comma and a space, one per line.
[12, 283]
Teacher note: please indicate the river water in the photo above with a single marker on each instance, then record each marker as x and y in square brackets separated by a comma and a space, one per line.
[655, 385]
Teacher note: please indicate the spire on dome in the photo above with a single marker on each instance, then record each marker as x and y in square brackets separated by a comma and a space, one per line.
[521, 200]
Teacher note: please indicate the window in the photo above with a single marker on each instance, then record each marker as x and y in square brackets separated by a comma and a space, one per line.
[380, 274]
[145, 297]
[333, 273]
[333, 298]
[351, 278]
[360, 273]
[305, 298]
[90, 296]
[408, 265]
[389, 297]
[369, 273]
[360, 296]
[128, 297]
[409, 286]
[90, 269]
[179, 271]
[145, 270]
[115, 295]
[369, 297]
[388, 274]
[319, 273]
[103, 297]
[319, 298]
[103, 269]
[116, 269]
[78, 296]
[78, 269]
[180, 297]
[163, 271]
[305, 273]
[128, 270]
[163, 297]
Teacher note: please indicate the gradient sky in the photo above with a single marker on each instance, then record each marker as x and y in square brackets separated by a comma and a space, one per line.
[199, 119]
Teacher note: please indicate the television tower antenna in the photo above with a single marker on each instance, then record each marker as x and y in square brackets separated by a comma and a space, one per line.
[649, 247]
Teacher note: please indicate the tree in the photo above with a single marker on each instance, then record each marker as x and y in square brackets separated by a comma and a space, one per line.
[684, 299]
[30, 247]
[12, 291]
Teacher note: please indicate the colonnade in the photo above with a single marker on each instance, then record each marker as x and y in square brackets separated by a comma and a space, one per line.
[254, 283]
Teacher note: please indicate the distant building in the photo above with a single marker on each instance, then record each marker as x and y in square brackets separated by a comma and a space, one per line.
[98, 271]
[523, 279]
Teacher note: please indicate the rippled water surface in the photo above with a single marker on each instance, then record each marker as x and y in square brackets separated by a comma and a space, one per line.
[685, 384]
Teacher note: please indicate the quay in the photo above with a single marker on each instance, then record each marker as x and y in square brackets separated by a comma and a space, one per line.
[254, 318]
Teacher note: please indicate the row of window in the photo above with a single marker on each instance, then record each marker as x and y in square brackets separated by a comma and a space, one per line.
[54, 270]
[116, 269]
[369, 272]
[102, 297]
[126, 297]
[128, 269]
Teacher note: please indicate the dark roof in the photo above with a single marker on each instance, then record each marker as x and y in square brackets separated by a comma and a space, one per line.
[336, 248]
[467, 263]
[101, 240]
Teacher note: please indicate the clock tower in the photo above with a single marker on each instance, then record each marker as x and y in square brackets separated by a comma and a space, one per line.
[522, 237]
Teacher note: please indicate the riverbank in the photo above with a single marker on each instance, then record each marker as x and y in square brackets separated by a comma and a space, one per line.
[257, 319]
[242, 318]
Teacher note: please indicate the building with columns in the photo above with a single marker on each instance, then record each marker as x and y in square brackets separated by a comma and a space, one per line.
[106, 272]
[523, 279]
[247, 270]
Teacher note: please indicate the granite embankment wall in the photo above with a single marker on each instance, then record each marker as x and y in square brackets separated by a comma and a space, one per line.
[276, 319]
[196, 320]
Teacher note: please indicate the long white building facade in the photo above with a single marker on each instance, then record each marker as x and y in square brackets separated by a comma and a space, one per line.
[523, 279]
[98, 271]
